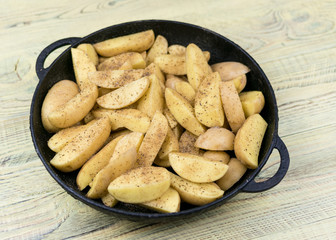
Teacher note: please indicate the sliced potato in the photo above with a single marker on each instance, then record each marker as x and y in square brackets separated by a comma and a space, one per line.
[195, 193]
[235, 172]
[240, 82]
[83, 146]
[170, 118]
[125, 95]
[196, 168]
[159, 47]
[217, 139]
[208, 104]
[217, 156]
[183, 112]
[172, 64]
[252, 102]
[177, 49]
[178, 130]
[169, 202]
[90, 51]
[140, 185]
[248, 140]
[133, 60]
[187, 143]
[109, 200]
[153, 68]
[182, 87]
[169, 145]
[230, 70]
[136, 42]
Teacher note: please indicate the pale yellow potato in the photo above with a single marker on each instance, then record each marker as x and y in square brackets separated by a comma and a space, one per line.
[144, 54]
[59, 94]
[131, 119]
[172, 64]
[182, 87]
[88, 118]
[83, 146]
[234, 173]
[115, 168]
[115, 78]
[178, 130]
[177, 49]
[126, 66]
[196, 168]
[252, 102]
[208, 104]
[153, 68]
[183, 112]
[216, 138]
[133, 60]
[136, 42]
[96, 163]
[90, 51]
[109, 200]
[170, 144]
[230, 70]
[159, 47]
[217, 156]
[116, 134]
[153, 140]
[248, 140]
[240, 82]
[170, 118]
[64, 136]
[232, 106]
[187, 143]
[140, 185]
[195, 193]
[196, 65]
[169, 202]
[207, 57]
[153, 99]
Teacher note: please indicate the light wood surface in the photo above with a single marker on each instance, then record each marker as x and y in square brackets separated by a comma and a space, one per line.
[295, 44]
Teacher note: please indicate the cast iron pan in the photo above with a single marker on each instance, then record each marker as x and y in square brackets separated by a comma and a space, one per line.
[221, 49]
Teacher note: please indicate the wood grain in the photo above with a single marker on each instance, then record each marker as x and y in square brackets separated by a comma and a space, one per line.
[294, 43]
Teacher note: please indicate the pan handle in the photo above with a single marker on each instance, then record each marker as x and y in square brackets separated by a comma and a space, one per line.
[254, 186]
[40, 70]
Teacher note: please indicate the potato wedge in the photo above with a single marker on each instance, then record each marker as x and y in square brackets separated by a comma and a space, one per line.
[109, 200]
[57, 96]
[159, 47]
[153, 140]
[178, 130]
[170, 118]
[182, 87]
[187, 143]
[116, 78]
[177, 49]
[153, 68]
[230, 70]
[183, 112]
[234, 173]
[196, 168]
[172, 64]
[90, 52]
[125, 95]
[96, 163]
[232, 106]
[140, 185]
[83, 146]
[133, 60]
[252, 102]
[217, 156]
[195, 193]
[115, 168]
[169, 145]
[208, 104]
[240, 82]
[169, 202]
[248, 140]
[136, 42]
[217, 139]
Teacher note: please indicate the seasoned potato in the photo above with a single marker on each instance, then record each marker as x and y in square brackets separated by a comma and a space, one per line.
[248, 140]
[252, 102]
[82, 147]
[217, 156]
[90, 51]
[140, 185]
[178, 130]
[230, 70]
[170, 118]
[195, 193]
[187, 143]
[234, 173]
[169, 145]
[136, 42]
[172, 64]
[125, 95]
[217, 139]
[196, 168]
[208, 104]
[133, 60]
[57, 96]
[182, 87]
[240, 82]
[177, 49]
[159, 47]
[153, 68]
[109, 200]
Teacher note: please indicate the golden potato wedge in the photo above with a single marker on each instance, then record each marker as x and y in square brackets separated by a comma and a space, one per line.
[169, 202]
[178, 130]
[131, 119]
[217, 156]
[88, 118]
[187, 143]
[208, 104]
[58, 95]
[90, 51]
[115, 78]
[182, 87]
[183, 112]
[172, 64]
[140, 185]
[169, 145]
[159, 47]
[252, 102]
[136, 42]
[216, 138]
[234, 173]
[240, 82]
[153, 140]
[196, 168]
[153, 68]
[196, 65]
[109, 200]
[83, 146]
[232, 106]
[230, 70]
[115, 168]
[133, 60]
[170, 118]
[96, 163]
[248, 140]
[125, 95]
[195, 193]
[177, 49]
[153, 99]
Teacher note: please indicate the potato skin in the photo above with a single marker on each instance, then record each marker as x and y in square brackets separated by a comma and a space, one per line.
[217, 139]
[252, 102]
[235, 172]
[230, 70]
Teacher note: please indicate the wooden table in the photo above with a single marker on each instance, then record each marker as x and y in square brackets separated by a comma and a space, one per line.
[295, 44]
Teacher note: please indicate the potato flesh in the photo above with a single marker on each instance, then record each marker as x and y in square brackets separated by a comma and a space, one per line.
[172, 64]
[169, 202]
[132, 59]
[235, 172]
[90, 51]
[187, 143]
[217, 156]
[159, 47]
[169, 145]
[252, 102]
